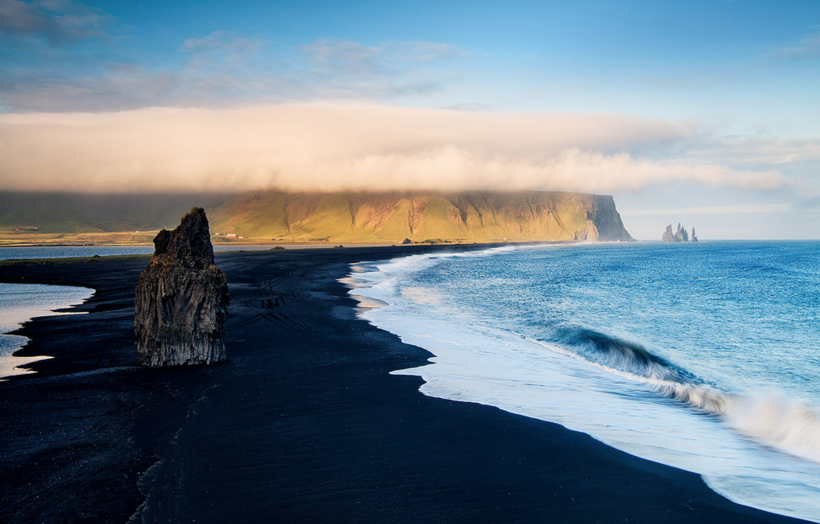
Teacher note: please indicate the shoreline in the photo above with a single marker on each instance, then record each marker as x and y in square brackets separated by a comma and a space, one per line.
[303, 423]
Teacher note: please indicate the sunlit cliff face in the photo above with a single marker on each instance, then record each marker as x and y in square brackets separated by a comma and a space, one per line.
[327, 146]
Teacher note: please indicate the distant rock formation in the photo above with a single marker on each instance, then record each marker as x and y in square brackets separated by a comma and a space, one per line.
[182, 299]
[668, 235]
[680, 235]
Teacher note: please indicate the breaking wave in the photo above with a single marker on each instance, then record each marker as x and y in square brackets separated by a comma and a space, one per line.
[770, 418]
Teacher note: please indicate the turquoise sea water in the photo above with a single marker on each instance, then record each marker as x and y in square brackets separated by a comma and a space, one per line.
[701, 356]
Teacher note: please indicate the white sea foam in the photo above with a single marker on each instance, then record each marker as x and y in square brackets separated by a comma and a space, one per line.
[750, 448]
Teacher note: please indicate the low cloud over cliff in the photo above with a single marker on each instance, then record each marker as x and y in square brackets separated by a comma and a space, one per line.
[325, 146]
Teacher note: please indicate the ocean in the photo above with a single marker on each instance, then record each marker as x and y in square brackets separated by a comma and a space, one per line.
[700, 356]
[22, 302]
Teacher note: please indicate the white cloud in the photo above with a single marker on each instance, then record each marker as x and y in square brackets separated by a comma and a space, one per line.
[750, 209]
[756, 150]
[325, 146]
[327, 51]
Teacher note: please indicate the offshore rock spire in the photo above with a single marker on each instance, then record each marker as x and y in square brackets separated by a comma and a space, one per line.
[182, 299]
[678, 236]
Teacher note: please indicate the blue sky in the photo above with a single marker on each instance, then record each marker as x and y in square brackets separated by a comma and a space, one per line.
[726, 96]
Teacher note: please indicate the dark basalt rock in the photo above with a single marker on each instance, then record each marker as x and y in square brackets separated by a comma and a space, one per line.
[182, 299]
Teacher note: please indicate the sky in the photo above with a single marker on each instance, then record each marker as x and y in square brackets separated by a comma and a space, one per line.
[700, 112]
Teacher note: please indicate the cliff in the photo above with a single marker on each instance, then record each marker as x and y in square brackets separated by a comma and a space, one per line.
[47, 212]
[420, 216]
[181, 299]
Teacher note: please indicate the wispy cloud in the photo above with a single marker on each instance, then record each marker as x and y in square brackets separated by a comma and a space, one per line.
[56, 20]
[806, 49]
[344, 69]
[797, 157]
[223, 41]
[329, 52]
[323, 146]
[225, 68]
[423, 51]
[714, 210]
[468, 106]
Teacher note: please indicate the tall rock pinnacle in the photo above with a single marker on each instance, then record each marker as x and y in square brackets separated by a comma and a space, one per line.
[182, 299]
[678, 236]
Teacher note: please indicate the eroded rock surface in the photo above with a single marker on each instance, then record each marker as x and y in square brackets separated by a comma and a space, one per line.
[182, 299]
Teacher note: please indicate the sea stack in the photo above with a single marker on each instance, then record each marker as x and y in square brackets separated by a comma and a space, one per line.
[182, 299]
[678, 236]
[668, 235]
[681, 235]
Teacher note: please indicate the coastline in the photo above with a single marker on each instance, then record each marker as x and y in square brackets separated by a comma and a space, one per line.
[303, 423]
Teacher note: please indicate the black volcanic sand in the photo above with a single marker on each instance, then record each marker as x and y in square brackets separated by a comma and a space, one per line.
[303, 424]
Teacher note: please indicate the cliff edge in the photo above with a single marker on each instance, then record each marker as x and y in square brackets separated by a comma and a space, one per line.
[420, 216]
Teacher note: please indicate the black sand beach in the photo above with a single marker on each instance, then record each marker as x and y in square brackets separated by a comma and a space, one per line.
[303, 424]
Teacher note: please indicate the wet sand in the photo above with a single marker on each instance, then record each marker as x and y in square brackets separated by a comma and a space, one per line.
[303, 424]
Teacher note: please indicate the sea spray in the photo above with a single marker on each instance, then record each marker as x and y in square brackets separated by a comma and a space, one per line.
[669, 370]
[772, 418]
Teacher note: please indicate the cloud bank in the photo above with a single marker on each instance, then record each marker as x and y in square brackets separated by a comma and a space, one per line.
[331, 146]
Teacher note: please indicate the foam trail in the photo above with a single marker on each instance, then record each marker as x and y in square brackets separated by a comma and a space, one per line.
[771, 419]
[760, 450]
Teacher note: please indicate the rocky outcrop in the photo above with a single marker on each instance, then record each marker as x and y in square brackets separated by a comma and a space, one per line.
[668, 235]
[182, 299]
[607, 220]
[680, 235]
[590, 232]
